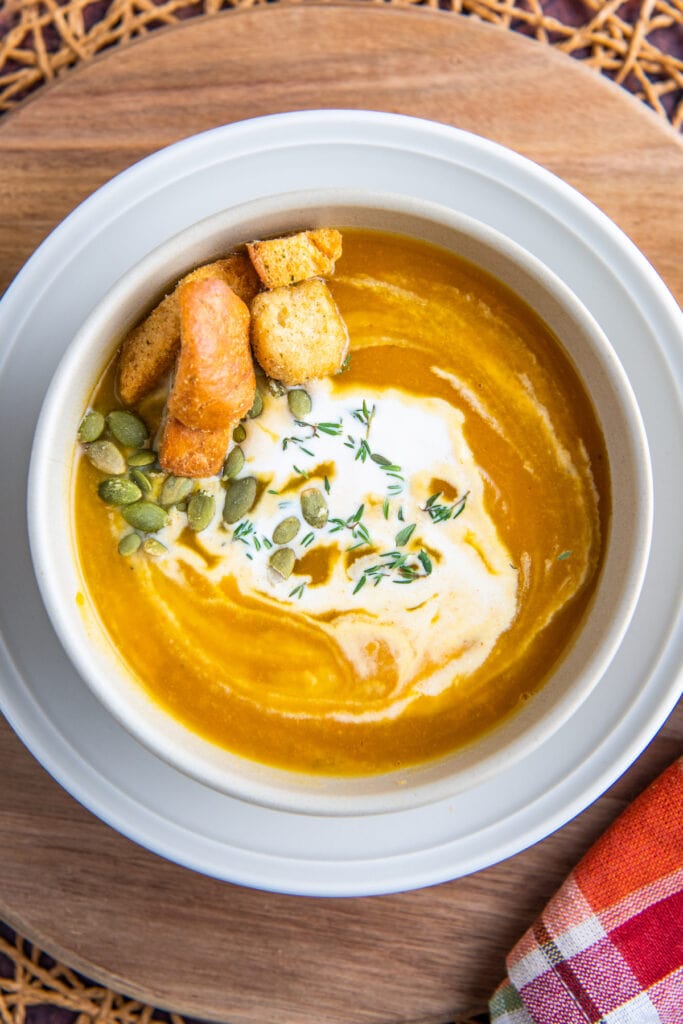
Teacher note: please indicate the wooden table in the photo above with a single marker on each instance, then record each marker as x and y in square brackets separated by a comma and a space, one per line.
[80, 890]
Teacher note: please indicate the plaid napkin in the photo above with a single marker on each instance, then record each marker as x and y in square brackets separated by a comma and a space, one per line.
[608, 948]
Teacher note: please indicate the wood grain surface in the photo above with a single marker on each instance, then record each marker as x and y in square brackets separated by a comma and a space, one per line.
[80, 890]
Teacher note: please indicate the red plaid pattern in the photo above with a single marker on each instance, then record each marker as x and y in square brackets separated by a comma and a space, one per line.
[608, 948]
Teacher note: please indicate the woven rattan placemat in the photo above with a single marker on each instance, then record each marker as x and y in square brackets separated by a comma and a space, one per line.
[638, 43]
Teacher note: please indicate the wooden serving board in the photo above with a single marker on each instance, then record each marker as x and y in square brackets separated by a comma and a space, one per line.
[81, 891]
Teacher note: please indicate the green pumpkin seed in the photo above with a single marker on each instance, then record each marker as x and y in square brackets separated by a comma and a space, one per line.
[142, 457]
[286, 530]
[239, 498]
[175, 489]
[142, 481]
[233, 464]
[239, 434]
[91, 427]
[116, 491]
[106, 457]
[282, 561]
[144, 516]
[129, 544]
[182, 506]
[153, 547]
[127, 428]
[299, 402]
[276, 389]
[200, 511]
[314, 508]
[257, 407]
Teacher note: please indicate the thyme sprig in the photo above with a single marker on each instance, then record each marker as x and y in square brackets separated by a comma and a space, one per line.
[399, 567]
[365, 416]
[439, 513]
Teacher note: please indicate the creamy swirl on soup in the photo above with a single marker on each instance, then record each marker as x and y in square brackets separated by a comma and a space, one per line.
[440, 505]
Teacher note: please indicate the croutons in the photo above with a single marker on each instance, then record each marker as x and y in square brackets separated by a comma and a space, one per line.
[294, 258]
[150, 349]
[187, 452]
[297, 333]
[214, 382]
[238, 271]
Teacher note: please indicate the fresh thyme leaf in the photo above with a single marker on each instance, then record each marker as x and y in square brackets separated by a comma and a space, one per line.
[361, 583]
[257, 542]
[327, 485]
[301, 472]
[380, 459]
[404, 535]
[266, 543]
[273, 492]
[434, 497]
[345, 365]
[394, 489]
[363, 451]
[298, 591]
[385, 508]
[565, 554]
[333, 429]
[308, 539]
[401, 518]
[426, 562]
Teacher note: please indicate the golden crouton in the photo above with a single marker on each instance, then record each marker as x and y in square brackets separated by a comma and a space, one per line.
[283, 261]
[187, 452]
[297, 333]
[238, 271]
[149, 351]
[214, 382]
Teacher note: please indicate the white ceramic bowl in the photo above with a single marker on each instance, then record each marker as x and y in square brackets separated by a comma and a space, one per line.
[52, 541]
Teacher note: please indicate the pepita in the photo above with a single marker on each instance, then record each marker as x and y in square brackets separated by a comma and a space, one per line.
[142, 481]
[144, 516]
[106, 457]
[299, 402]
[239, 434]
[282, 561]
[286, 530]
[200, 510]
[91, 426]
[127, 428]
[314, 508]
[239, 498]
[153, 547]
[175, 489]
[233, 464]
[117, 491]
[142, 457]
[129, 544]
[257, 407]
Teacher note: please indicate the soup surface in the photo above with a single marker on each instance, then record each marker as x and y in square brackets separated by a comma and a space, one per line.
[465, 489]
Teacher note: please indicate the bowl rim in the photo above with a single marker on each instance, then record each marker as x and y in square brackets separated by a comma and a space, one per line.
[321, 802]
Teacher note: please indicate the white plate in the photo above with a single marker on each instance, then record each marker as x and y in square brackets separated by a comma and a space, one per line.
[54, 712]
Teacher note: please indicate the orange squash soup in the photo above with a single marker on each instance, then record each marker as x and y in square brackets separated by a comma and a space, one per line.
[393, 556]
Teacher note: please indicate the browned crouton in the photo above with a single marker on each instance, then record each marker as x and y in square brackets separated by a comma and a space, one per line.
[214, 383]
[187, 452]
[149, 351]
[238, 271]
[283, 261]
[297, 333]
